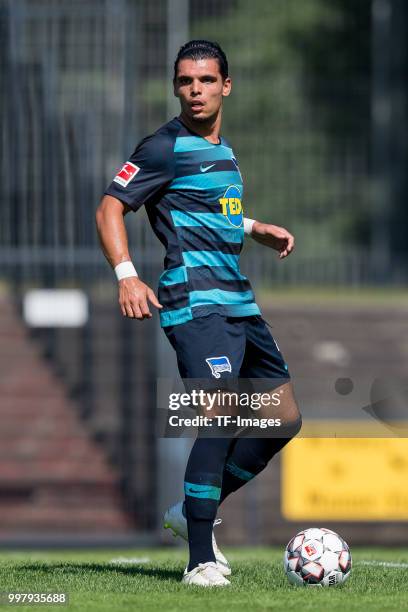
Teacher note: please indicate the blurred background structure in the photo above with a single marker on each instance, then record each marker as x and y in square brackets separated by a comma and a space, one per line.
[318, 117]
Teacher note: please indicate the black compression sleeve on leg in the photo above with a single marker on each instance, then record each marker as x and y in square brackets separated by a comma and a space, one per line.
[249, 457]
[202, 486]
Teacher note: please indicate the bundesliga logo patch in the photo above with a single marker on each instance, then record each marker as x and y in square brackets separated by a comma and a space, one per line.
[126, 174]
[218, 365]
[310, 549]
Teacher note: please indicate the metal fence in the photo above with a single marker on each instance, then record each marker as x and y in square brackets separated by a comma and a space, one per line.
[316, 107]
[319, 98]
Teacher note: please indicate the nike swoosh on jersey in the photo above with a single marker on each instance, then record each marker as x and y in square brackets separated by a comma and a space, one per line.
[190, 490]
[205, 168]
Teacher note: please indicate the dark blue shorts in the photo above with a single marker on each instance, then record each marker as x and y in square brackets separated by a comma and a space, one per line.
[218, 347]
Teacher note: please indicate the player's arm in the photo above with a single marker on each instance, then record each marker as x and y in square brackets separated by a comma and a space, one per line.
[133, 293]
[272, 236]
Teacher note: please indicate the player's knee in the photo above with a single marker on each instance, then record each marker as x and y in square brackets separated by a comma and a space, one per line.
[295, 425]
[292, 426]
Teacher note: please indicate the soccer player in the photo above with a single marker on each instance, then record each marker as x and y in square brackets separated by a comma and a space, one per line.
[187, 177]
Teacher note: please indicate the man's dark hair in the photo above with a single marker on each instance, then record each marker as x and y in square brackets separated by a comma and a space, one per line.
[202, 49]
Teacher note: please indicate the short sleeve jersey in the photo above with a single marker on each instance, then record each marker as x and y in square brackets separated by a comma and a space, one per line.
[192, 190]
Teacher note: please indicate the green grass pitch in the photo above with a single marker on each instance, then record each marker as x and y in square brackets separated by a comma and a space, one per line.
[149, 579]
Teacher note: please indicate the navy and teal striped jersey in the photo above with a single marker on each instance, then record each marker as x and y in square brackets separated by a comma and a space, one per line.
[192, 190]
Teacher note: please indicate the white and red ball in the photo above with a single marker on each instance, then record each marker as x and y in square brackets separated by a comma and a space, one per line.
[317, 557]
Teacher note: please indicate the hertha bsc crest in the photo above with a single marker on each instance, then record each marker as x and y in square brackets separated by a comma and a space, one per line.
[218, 365]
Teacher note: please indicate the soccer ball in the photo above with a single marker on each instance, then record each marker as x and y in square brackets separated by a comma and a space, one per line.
[317, 557]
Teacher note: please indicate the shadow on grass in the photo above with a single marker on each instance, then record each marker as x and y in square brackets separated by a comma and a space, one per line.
[153, 571]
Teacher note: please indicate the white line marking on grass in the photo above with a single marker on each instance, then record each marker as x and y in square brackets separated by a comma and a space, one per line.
[383, 564]
[137, 560]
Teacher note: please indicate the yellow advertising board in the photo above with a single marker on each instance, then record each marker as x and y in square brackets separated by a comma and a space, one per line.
[345, 479]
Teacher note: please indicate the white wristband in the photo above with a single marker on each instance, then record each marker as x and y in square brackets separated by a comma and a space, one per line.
[248, 223]
[125, 270]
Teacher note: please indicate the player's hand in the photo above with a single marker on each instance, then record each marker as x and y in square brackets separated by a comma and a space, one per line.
[275, 237]
[134, 296]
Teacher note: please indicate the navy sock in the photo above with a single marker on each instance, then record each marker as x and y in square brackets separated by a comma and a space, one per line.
[202, 486]
[248, 458]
